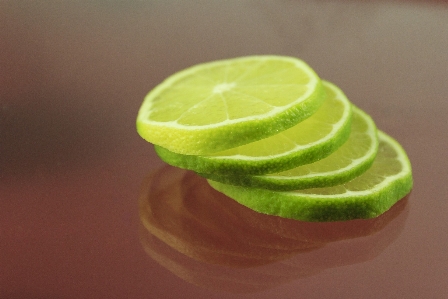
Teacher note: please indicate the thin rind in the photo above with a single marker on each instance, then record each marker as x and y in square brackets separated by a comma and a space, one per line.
[314, 180]
[338, 207]
[197, 140]
[269, 164]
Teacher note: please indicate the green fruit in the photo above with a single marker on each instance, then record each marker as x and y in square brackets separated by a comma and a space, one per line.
[372, 193]
[219, 105]
[310, 140]
[354, 157]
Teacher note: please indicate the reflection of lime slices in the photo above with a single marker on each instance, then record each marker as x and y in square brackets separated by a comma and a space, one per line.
[220, 105]
[350, 160]
[310, 140]
[366, 196]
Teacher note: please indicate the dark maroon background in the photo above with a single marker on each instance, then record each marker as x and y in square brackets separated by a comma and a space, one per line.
[72, 77]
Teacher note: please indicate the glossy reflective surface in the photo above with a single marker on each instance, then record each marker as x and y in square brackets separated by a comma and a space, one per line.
[87, 210]
[208, 239]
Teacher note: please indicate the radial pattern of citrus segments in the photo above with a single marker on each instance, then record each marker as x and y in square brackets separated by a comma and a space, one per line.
[219, 105]
[354, 157]
[310, 140]
[372, 193]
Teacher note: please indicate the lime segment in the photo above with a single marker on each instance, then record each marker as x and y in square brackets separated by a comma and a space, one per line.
[219, 105]
[354, 157]
[366, 196]
[310, 140]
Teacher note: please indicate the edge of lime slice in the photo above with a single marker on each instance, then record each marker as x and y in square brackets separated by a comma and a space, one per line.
[351, 200]
[211, 138]
[305, 176]
[326, 137]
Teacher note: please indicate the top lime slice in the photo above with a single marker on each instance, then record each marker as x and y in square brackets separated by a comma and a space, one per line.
[219, 105]
[370, 194]
[354, 157]
[310, 140]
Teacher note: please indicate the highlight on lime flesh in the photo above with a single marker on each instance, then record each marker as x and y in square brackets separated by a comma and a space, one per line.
[372, 193]
[218, 105]
[312, 139]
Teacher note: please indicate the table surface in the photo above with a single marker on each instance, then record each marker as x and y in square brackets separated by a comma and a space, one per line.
[87, 209]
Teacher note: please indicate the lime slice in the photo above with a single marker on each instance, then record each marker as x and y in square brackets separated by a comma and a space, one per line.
[372, 193]
[219, 105]
[308, 141]
[354, 157]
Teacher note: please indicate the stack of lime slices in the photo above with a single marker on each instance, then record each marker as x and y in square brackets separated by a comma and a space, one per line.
[269, 133]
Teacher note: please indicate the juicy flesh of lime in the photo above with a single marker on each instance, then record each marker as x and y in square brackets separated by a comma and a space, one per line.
[354, 148]
[216, 94]
[307, 132]
[386, 165]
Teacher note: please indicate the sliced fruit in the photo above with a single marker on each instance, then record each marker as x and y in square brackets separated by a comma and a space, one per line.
[372, 193]
[354, 157]
[219, 105]
[308, 141]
